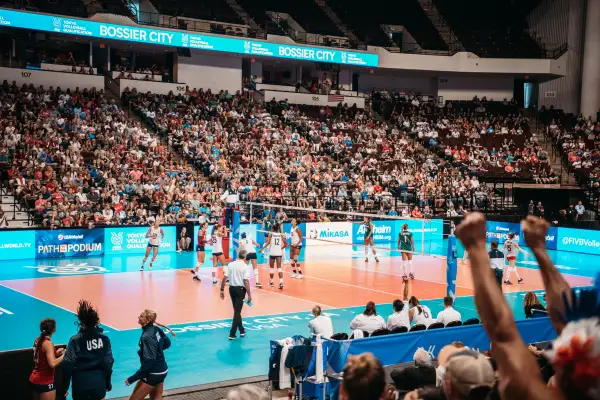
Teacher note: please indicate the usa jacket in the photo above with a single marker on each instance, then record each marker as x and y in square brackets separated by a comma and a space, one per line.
[88, 360]
[152, 345]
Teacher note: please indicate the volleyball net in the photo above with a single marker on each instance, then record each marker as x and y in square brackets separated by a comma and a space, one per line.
[331, 227]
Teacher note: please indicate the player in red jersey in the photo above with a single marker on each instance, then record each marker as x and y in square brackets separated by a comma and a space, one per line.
[200, 251]
[45, 359]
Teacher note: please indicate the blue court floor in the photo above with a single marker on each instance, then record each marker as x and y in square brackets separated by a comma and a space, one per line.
[201, 352]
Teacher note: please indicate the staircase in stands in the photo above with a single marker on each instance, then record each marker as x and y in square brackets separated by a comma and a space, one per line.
[336, 20]
[442, 27]
[244, 16]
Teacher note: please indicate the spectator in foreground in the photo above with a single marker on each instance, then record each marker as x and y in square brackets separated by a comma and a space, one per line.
[575, 354]
[320, 324]
[415, 376]
[469, 376]
[368, 321]
[364, 378]
[531, 302]
[46, 358]
[88, 359]
[449, 314]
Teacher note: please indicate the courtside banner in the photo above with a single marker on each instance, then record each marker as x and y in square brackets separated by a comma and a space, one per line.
[433, 229]
[328, 233]
[17, 245]
[383, 232]
[134, 241]
[69, 243]
[578, 240]
[398, 349]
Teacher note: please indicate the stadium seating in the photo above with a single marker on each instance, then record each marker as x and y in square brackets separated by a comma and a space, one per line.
[216, 10]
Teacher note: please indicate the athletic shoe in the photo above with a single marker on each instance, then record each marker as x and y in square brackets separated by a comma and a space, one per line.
[195, 278]
[366, 259]
[376, 259]
[150, 266]
[299, 276]
[294, 275]
[243, 334]
[404, 278]
[281, 286]
[192, 271]
[520, 280]
[142, 268]
[215, 282]
[411, 276]
[258, 285]
[507, 282]
[271, 284]
[232, 337]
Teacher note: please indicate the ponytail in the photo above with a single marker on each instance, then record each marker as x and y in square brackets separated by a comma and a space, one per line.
[47, 328]
[165, 327]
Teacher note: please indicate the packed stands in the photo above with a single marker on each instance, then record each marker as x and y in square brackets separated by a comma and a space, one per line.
[74, 8]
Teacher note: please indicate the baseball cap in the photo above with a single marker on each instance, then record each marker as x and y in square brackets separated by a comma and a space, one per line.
[468, 370]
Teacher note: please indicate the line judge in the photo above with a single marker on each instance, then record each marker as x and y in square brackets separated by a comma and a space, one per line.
[238, 273]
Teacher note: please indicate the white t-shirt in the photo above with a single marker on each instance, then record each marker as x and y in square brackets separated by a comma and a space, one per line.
[369, 323]
[398, 319]
[448, 315]
[237, 271]
[248, 245]
[423, 318]
[275, 247]
[321, 325]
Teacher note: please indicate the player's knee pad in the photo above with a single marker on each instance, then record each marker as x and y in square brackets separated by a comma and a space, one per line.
[280, 270]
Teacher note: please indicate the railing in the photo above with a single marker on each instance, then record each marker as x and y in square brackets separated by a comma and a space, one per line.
[172, 22]
[313, 38]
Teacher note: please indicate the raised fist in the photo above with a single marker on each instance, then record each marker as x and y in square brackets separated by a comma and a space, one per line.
[535, 230]
[471, 230]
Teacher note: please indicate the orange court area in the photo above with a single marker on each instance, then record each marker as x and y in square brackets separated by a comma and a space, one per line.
[330, 283]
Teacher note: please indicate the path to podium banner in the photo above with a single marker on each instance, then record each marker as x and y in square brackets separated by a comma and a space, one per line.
[336, 277]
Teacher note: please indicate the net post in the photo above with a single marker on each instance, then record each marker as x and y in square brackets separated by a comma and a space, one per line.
[250, 219]
[235, 233]
[423, 237]
[451, 267]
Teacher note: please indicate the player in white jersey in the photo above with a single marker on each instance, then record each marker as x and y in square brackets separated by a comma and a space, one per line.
[512, 247]
[200, 250]
[250, 245]
[275, 245]
[295, 247]
[216, 241]
[155, 235]
[419, 314]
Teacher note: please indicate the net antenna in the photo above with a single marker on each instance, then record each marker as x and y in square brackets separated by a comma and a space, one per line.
[253, 210]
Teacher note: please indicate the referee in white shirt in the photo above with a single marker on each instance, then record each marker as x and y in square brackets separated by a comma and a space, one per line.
[238, 274]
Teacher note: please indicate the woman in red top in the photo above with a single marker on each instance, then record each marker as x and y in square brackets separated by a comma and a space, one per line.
[45, 359]
[200, 251]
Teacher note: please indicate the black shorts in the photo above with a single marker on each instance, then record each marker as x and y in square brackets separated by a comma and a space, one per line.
[153, 379]
[217, 254]
[199, 247]
[152, 245]
[275, 257]
[298, 247]
[42, 388]
[89, 394]
[251, 256]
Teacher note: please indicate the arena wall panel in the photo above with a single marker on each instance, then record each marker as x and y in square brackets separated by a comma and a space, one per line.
[210, 72]
[38, 77]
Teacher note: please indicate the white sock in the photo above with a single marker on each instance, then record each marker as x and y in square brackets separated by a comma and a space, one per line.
[507, 278]
[280, 280]
[404, 268]
[410, 267]
[256, 275]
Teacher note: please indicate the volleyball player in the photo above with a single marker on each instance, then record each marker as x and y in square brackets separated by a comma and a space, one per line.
[250, 245]
[200, 251]
[406, 245]
[511, 247]
[419, 314]
[218, 232]
[295, 247]
[368, 241]
[46, 358]
[275, 245]
[155, 235]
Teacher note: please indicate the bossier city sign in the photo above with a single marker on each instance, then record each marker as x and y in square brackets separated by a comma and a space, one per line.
[163, 37]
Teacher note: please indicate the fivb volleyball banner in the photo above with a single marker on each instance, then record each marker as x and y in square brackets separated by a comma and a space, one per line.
[69, 243]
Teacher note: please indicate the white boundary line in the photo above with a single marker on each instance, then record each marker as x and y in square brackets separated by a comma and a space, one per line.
[53, 305]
